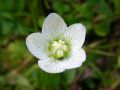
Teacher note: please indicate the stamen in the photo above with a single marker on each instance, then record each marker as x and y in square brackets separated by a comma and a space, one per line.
[59, 49]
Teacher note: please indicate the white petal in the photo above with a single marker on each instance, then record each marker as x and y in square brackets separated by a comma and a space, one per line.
[76, 34]
[36, 45]
[53, 26]
[75, 60]
[51, 66]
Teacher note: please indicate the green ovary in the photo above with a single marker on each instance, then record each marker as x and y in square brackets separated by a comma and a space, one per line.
[59, 49]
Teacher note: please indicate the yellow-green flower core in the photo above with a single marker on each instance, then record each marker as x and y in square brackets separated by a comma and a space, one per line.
[59, 49]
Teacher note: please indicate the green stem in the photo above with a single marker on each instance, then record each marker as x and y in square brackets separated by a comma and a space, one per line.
[109, 54]
[33, 14]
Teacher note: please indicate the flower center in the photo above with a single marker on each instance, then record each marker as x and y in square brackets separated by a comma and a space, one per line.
[59, 49]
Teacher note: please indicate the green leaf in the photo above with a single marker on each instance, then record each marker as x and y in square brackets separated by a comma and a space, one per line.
[17, 50]
[104, 9]
[20, 4]
[7, 27]
[69, 76]
[20, 82]
[84, 10]
[41, 79]
[117, 6]
[118, 63]
[102, 29]
[65, 7]
[6, 5]
[40, 21]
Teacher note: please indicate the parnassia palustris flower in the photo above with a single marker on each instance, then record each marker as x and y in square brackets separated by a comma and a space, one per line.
[58, 47]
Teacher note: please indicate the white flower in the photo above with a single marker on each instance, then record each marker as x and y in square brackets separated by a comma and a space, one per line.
[58, 47]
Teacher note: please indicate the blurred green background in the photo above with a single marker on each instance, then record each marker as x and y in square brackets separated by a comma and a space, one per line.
[19, 69]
